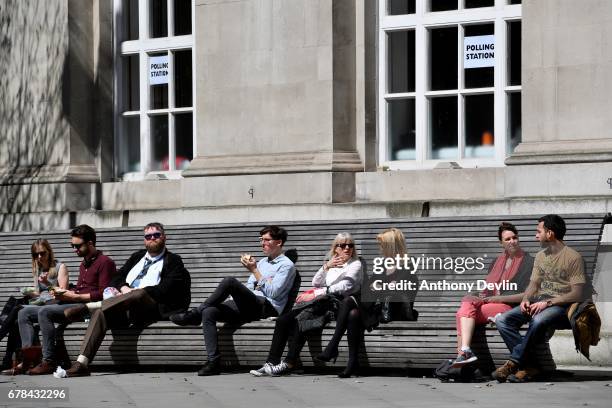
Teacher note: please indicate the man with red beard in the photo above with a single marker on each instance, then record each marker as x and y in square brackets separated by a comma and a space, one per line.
[152, 285]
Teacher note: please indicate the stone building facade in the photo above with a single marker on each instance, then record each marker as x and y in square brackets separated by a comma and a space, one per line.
[116, 112]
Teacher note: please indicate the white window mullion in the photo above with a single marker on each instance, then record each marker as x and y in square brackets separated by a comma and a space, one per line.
[171, 143]
[171, 105]
[170, 14]
[158, 44]
[383, 138]
[143, 19]
[145, 124]
[421, 80]
[193, 80]
[500, 98]
[460, 98]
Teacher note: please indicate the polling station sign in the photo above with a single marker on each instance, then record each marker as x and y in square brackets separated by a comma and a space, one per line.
[479, 51]
[158, 70]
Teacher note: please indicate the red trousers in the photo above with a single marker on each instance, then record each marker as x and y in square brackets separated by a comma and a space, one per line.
[479, 311]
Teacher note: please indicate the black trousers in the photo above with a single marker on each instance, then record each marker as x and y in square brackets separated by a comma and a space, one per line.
[348, 320]
[286, 326]
[9, 327]
[244, 307]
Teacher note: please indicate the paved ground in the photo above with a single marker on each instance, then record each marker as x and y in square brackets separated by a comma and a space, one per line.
[185, 389]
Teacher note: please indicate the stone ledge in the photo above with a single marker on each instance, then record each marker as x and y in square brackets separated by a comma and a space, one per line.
[576, 151]
[83, 173]
[298, 162]
[564, 350]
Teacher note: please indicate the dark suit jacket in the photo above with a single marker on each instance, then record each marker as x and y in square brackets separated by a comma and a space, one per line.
[173, 293]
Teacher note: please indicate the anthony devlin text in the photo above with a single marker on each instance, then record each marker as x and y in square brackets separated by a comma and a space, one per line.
[442, 285]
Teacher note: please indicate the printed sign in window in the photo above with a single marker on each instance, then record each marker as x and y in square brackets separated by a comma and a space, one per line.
[158, 70]
[479, 51]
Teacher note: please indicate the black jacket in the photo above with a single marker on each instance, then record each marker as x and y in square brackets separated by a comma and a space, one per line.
[173, 293]
[317, 313]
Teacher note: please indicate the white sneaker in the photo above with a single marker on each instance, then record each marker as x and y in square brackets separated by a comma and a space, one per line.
[260, 372]
[277, 370]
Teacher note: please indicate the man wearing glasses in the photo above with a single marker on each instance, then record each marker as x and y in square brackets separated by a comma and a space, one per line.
[264, 295]
[95, 273]
[152, 285]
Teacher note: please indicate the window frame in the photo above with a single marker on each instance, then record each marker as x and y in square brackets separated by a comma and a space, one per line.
[143, 46]
[421, 22]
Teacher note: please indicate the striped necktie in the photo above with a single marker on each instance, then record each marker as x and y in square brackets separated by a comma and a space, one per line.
[145, 269]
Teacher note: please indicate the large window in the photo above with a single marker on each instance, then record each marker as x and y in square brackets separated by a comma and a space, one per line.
[154, 87]
[450, 82]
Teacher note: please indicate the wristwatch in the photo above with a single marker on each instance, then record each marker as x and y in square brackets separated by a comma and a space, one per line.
[549, 303]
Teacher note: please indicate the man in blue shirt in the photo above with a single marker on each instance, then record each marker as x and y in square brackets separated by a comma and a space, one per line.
[264, 295]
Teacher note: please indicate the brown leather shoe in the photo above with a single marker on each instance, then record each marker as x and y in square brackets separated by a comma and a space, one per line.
[524, 375]
[46, 367]
[76, 313]
[78, 370]
[32, 356]
[502, 373]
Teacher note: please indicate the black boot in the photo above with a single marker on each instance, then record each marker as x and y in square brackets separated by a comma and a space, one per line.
[211, 368]
[192, 317]
[351, 369]
[329, 354]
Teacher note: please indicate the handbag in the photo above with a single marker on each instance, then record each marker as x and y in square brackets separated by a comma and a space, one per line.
[10, 304]
[309, 295]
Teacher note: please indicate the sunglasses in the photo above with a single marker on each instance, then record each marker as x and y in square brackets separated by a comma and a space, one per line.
[77, 246]
[37, 254]
[344, 246]
[155, 235]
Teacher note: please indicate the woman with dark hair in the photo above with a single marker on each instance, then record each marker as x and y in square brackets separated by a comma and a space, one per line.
[47, 275]
[339, 278]
[514, 266]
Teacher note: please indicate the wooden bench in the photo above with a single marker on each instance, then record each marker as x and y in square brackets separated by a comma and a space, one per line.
[211, 252]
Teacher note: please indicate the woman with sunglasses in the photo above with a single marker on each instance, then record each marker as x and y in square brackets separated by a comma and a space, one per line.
[338, 279]
[354, 316]
[47, 273]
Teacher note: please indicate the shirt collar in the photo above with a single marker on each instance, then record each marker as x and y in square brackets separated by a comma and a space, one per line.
[275, 260]
[155, 258]
[90, 259]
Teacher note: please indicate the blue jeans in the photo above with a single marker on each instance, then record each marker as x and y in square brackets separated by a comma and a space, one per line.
[509, 323]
